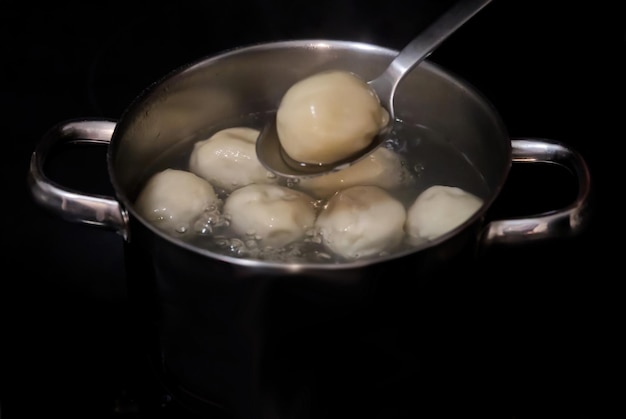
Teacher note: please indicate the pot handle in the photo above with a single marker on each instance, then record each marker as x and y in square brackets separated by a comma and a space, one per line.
[565, 222]
[71, 205]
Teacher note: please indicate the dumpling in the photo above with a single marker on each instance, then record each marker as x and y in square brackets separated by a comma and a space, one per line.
[228, 159]
[328, 116]
[173, 199]
[438, 210]
[273, 214]
[382, 168]
[361, 221]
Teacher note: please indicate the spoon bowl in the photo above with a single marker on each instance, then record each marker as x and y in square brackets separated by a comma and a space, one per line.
[275, 159]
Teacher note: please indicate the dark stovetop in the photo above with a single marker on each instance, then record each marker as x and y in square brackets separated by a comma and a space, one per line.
[538, 324]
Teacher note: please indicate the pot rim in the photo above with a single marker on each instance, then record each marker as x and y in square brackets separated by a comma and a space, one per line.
[294, 267]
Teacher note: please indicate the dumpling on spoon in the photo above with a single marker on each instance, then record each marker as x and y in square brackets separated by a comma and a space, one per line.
[228, 159]
[438, 210]
[328, 116]
[361, 221]
[274, 215]
[173, 199]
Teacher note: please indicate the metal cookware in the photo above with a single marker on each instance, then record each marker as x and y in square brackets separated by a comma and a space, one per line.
[255, 338]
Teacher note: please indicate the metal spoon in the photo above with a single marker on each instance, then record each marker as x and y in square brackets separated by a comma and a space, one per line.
[268, 148]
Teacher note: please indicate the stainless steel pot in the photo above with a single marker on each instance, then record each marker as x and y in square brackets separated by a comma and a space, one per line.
[219, 326]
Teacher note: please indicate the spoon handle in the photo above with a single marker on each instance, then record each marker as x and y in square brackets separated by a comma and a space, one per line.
[422, 46]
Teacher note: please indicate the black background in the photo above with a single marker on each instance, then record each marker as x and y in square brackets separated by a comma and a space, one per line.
[546, 315]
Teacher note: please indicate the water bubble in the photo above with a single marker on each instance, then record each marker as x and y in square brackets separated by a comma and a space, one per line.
[418, 168]
[203, 228]
[292, 183]
[237, 246]
[318, 204]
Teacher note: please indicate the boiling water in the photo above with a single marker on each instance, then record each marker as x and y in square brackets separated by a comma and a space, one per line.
[427, 157]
